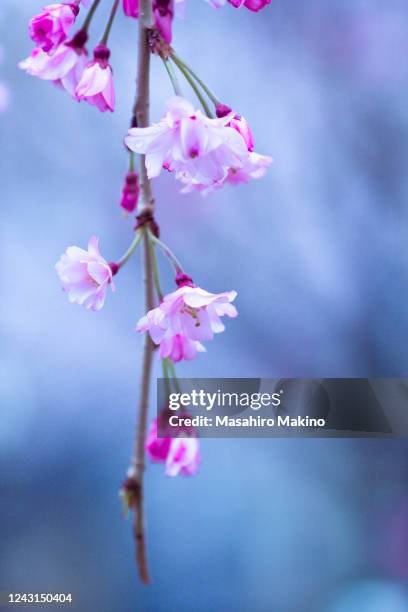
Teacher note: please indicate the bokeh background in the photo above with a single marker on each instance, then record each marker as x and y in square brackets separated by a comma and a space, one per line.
[317, 252]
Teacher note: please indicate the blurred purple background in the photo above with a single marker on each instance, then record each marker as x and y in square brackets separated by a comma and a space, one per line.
[317, 252]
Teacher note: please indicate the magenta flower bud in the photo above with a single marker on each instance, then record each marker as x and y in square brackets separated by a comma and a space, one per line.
[184, 280]
[131, 8]
[130, 192]
[78, 41]
[114, 267]
[222, 110]
[51, 27]
[163, 12]
[101, 54]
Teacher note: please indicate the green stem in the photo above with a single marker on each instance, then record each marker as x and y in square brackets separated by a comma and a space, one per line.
[195, 76]
[169, 254]
[131, 161]
[90, 15]
[166, 377]
[124, 259]
[156, 275]
[104, 39]
[193, 85]
[172, 76]
[171, 367]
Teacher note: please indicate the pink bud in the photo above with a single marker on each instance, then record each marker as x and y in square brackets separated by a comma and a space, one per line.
[130, 192]
[131, 8]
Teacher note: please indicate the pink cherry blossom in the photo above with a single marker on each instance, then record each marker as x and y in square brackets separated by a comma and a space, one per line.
[64, 67]
[180, 454]
[130, 192]
[189, 144]
[96, 84]
[51, 27]
[85, 275]
[185, 318]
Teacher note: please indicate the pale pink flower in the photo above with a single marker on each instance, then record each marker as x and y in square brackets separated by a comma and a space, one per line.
[185, 318]
[190, 144]
[254, 167]
[180, 454]
[184, 457]
[64, 67]
[51, 27]
[96, 84]
[85, 275]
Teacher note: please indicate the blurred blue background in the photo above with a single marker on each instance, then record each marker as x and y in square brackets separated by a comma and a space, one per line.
[317, 252]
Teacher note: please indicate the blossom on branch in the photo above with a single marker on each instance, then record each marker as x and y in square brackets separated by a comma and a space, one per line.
[51, 27]
[85, 275]
[96, 84]
[203, 153]
[185, 318]
[64, 67]
[180, 454]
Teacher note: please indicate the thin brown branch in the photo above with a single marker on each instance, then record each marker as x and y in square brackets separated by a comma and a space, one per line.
[136, 475]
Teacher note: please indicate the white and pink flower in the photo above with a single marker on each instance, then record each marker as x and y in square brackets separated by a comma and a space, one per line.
[96, 84]
[64, 67]
[85, 275]
[51, 27]
[186, 318]
[190, 144]
[181, 455]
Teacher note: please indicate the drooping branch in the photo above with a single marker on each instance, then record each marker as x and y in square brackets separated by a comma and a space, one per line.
[136, 473]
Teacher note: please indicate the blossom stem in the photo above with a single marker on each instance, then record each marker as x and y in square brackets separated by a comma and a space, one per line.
[172, 76]
[169, 254]
[104, 39]
[90, 15]
[195, 76]
[172, 368]
[193, 85]
[141, 115]
[125, 258]
[166, 377]
[131, 161]
[156, 275]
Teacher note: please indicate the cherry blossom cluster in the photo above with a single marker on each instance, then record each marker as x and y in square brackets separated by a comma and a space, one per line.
[203, 148]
